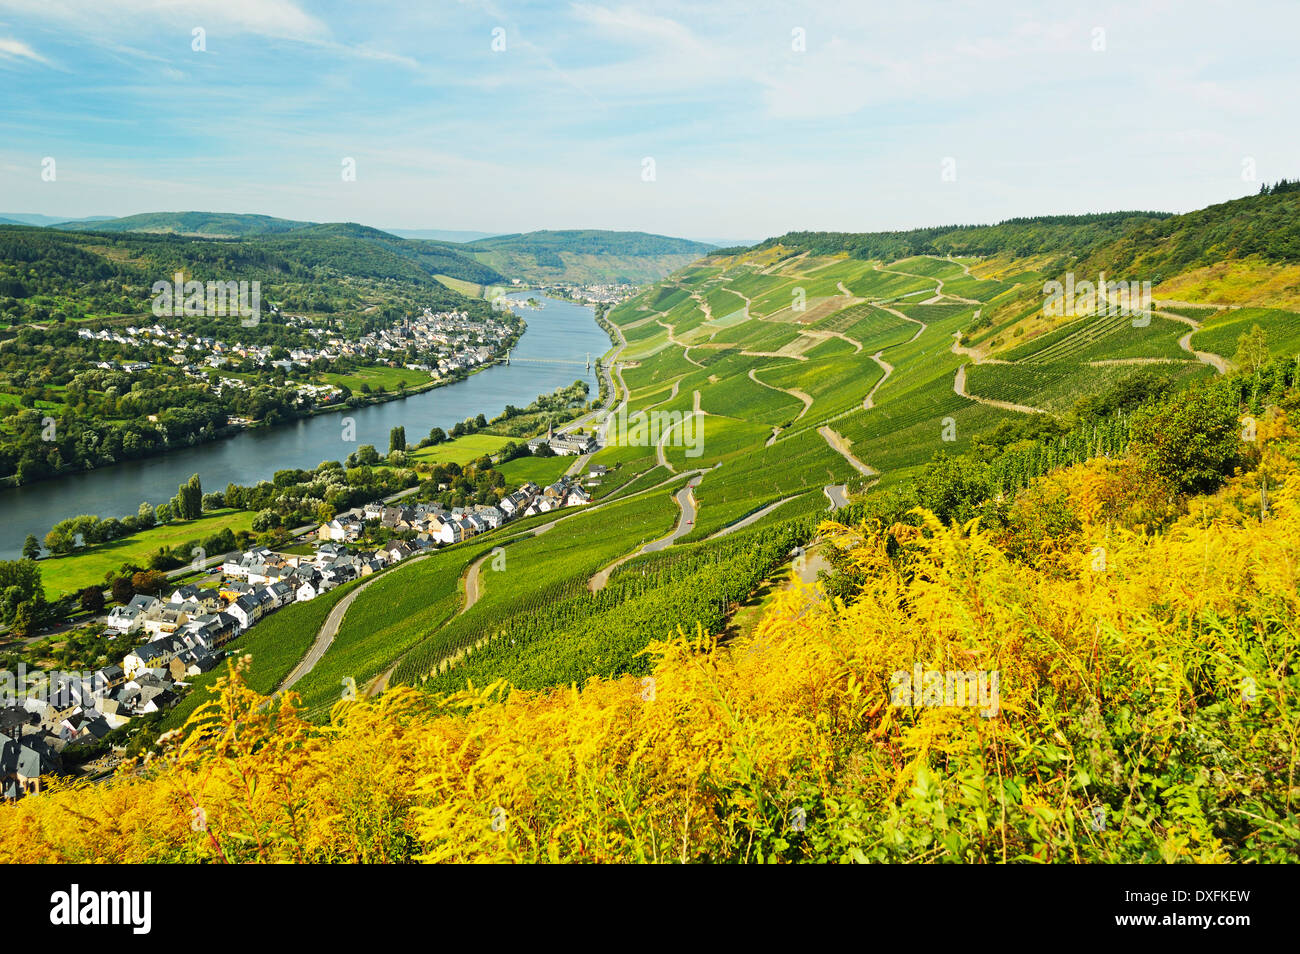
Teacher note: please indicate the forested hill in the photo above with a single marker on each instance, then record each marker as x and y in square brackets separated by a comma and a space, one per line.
[45, 273]
[208, 224]
[1266, 225]
[573, 255]
[1021, 237]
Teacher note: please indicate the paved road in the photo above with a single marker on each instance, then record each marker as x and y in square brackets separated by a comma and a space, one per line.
[841, 446]
[329, 629]
[324, 637]
[685, 499]
[754, 517]
[838, 495]
[471, 581]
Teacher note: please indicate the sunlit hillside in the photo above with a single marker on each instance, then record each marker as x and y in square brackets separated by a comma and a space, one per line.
[1145, 709]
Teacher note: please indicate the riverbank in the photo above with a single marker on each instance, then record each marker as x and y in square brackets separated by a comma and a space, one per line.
[355, 401]
[549, 355]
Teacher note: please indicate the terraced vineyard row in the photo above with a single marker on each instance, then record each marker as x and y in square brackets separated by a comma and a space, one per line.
[571, 639]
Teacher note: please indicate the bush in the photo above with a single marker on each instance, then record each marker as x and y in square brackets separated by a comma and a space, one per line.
[1190, 441]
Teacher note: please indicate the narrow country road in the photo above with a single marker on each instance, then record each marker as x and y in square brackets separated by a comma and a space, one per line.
[685, 500]
[959, 388]
[898, 314]
[1216, 361]
[837, 494]
[870, 401]
[754, 517]
[329, 629]
[793, 392]
[842, 447]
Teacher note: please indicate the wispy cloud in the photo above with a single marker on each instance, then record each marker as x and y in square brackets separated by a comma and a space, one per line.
[281, 19]
[12, 49]
[752, 132]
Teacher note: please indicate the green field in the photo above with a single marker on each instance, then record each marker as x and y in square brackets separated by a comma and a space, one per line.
[378, 376]
[462, 450]
[67, 574]
[540, 470]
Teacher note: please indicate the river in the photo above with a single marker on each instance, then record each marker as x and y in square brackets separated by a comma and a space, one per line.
[561, 332]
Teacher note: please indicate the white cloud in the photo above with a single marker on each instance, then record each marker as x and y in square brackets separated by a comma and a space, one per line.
[11, 49]
[281, 19]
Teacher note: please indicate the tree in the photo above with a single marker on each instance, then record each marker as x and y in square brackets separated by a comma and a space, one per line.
[31, 548]
[122, 589]
[148, 581]
[193, 493]
[188, 502]
[58, 541]
[266, 520]
[397, 439]
[952, 488]
[25, 619]
[20, 580]
[91, 599]
[1191, 441]
[145, 516]
[1252, 349]
[437, 435]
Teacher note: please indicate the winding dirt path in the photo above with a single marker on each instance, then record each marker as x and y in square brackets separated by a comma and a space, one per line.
[687, 509]
[938, 288]
[870, 400]
[663, 438]
[842, 447]
[821, 335]
[977, 356]
[847, 293]
[793, 392]
[898, 314]
[673, 339]
[1216, 361]
[959, 388]
[965, 268]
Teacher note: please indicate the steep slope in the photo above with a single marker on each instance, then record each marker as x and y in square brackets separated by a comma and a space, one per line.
[823, 736]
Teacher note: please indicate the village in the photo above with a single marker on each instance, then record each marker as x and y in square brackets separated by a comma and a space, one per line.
[445, 343]
[611, 293]
[184, 631]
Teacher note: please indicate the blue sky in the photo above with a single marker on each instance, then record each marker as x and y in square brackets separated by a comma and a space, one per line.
[1042, 107]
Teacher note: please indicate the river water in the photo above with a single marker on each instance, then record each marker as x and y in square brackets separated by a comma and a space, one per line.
[558, 332]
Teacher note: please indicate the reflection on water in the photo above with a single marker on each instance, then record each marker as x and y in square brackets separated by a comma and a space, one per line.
[561, 332]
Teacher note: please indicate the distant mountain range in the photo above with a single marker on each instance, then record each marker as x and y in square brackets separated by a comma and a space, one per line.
[586, 255]
[442, 235]
[205, 224]
[29, 218]
[577, 255]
